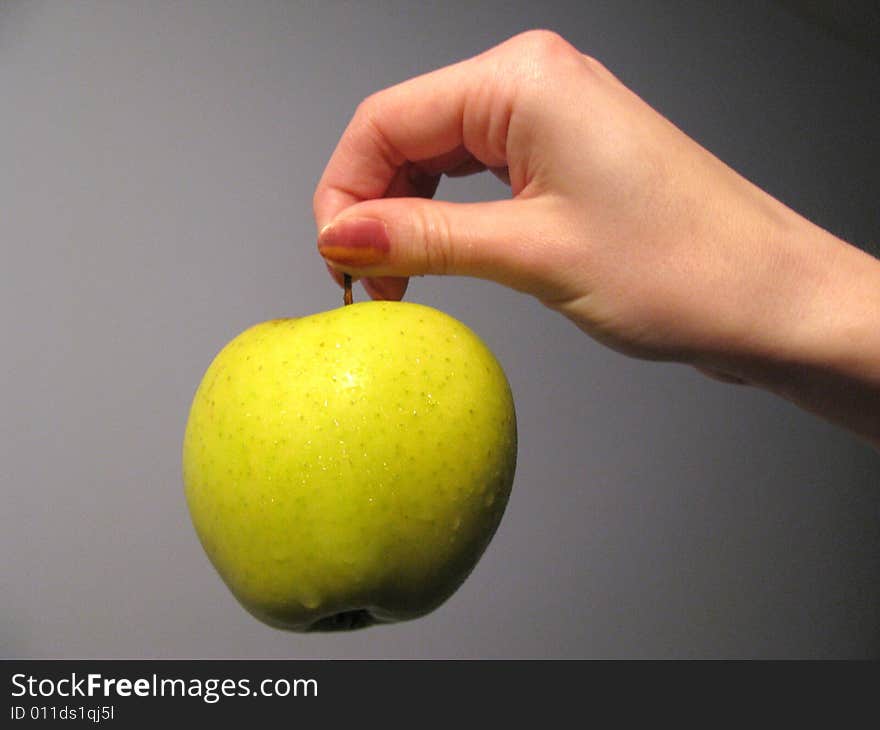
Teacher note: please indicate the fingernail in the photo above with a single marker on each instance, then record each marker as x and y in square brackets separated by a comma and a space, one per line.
[375, 289]
[354, 242]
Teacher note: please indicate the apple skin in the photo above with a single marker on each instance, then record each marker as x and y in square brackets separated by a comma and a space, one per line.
[349, 467]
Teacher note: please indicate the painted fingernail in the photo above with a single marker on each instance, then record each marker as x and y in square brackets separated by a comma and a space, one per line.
[354, 242]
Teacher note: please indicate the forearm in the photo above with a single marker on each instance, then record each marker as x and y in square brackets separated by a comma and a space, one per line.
[826, 357]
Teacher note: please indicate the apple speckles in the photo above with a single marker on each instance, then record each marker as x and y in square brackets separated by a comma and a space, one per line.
[398, 431]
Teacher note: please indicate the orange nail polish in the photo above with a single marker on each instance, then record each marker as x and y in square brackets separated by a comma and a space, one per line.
[355, 242]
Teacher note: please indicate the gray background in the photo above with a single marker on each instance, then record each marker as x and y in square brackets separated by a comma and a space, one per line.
[157, 162]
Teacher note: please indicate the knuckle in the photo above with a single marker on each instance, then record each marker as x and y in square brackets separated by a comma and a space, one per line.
[366, 123]
[544, 60]
[366, 113]
[595, 70]
[367, 105]
[594, 64]
[437, 241]
[544, 45]
[318, 199]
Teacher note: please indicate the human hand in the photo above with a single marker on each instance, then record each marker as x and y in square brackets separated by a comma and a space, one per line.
[617, 219]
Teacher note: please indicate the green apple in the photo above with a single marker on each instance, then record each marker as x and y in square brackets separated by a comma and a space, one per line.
[349, 467]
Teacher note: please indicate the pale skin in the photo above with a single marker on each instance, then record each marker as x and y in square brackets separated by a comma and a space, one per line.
[617, 220]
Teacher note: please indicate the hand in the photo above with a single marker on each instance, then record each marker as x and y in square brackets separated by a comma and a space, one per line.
[617, 219]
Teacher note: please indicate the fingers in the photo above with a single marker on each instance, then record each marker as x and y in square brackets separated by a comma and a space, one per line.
[452, 121]
[411, 236]
[409, 181]
[391, 288]
[440, 120]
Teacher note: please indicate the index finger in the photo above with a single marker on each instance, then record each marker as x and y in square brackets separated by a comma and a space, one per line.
[421, 119]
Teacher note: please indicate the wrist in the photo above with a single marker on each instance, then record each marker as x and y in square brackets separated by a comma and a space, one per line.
[819, 345]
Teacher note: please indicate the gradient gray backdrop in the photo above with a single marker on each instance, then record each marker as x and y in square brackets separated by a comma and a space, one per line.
[157, 162]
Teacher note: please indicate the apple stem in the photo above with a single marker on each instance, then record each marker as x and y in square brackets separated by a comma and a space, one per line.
[346, 282]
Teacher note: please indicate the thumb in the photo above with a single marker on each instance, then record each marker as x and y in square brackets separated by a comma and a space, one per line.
[402, 237]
